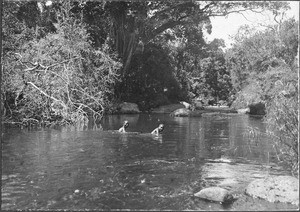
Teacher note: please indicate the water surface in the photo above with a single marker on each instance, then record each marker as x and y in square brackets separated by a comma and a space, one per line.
[95, 167]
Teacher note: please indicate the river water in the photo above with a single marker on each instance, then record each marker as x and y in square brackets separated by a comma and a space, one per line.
[95, 167]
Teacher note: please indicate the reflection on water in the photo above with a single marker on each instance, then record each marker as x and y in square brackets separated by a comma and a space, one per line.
[95, 167]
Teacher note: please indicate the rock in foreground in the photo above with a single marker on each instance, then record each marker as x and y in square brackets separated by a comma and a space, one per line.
[216, 194]
[275, 189]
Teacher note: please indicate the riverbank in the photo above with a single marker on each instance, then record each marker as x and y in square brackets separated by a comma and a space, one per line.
[181, 110]
[125, 108]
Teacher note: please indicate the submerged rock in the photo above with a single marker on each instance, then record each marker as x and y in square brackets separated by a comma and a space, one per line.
[275, 189]
[216, 194]
[127, 107]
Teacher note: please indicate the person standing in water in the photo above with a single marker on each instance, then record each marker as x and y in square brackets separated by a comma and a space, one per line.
[158, 130]
[125, 125]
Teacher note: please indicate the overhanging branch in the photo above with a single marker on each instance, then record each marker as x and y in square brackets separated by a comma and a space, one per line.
[234, 11]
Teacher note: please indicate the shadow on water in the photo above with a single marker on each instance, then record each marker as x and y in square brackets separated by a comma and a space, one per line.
[96, 167]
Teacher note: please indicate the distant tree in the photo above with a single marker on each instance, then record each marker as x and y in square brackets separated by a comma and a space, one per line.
[199, 66]
[150, 81]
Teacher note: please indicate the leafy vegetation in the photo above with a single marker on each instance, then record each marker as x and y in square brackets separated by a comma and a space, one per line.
[264, 68]
[258, 59]
[282, 122]
[66, 61]
[59, 76]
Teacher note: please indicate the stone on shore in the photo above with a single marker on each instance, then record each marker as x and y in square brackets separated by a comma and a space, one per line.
[275, 189]
[243, 111]
[128, 108]
[186, 105]
[216, 194]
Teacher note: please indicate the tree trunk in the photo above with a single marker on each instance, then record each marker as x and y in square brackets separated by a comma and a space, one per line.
[126, 43]
[130, 47]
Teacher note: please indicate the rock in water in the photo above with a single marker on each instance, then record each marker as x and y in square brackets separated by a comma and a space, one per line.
[181, 112]
[243, 111]
[257, 109]
[216, 194]
[275, 189]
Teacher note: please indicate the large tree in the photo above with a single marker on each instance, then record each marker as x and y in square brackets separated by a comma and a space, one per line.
[142, 22]
[131, 27]
[129, 24]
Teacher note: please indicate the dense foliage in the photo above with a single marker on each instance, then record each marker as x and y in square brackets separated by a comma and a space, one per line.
[134, 28]
[68, 60]
[282, 122]
[264, 68]
[56, 76]
[258, 59]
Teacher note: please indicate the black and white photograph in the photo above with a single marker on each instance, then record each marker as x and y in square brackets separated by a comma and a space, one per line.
[122, 105]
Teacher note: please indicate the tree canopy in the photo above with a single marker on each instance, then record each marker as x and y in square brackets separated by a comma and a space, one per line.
[70, 59]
